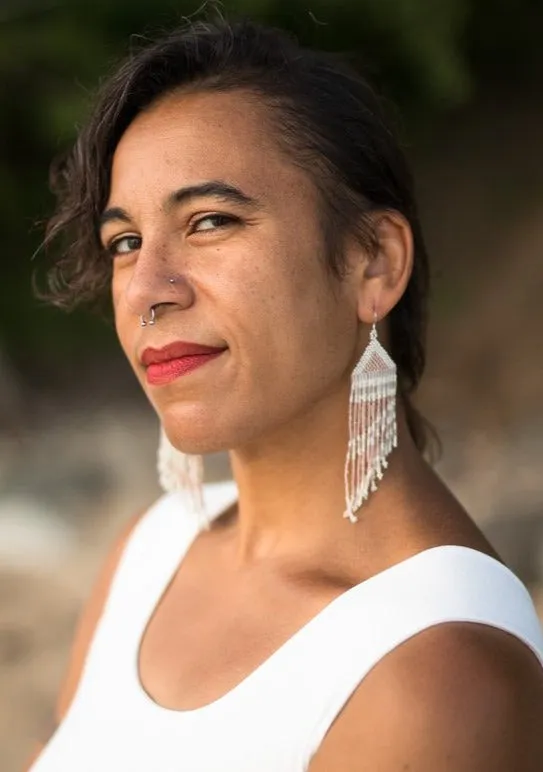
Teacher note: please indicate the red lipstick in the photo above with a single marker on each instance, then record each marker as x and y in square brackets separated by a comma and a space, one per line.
[170, 362]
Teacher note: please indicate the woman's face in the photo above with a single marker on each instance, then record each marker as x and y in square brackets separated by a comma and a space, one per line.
[201, 194]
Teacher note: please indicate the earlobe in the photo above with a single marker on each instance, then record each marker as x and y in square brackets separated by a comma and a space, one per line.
[386, 273]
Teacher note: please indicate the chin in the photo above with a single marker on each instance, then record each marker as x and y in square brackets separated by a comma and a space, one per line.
[194, 431]
[199, 432]
[192, 439]
[195, 446]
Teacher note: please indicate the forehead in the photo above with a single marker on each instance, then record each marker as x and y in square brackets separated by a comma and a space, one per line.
[187, 138]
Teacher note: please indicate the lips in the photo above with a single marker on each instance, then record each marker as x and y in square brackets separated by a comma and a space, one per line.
[166, 364]
[177, 350]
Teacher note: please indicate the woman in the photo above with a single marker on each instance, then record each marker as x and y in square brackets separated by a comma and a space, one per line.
[335, 608]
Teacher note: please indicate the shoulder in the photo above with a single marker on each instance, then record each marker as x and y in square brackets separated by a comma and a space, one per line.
[456, 697]
[90, 615]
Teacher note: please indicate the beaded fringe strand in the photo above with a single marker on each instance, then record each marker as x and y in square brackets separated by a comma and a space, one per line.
[372, 424]
[184, 473]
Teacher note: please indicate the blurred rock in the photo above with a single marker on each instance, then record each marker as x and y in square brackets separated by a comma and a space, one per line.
[32, 535]
[519, 541]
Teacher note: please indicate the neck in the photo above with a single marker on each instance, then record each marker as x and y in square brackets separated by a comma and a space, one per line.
[292, 490]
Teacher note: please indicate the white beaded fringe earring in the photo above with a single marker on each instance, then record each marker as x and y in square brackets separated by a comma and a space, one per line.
[182, 472]
[373, 429]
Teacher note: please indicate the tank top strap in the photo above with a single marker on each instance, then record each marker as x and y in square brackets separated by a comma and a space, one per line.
[151, 556]
[438, 585]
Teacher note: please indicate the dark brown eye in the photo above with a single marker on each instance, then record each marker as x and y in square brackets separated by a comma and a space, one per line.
[124, 245]
[212, 221]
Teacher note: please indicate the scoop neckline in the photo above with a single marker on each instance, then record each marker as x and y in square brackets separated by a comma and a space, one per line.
[250, 681]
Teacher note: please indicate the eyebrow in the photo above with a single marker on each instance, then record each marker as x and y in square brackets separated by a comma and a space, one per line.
[214, 188]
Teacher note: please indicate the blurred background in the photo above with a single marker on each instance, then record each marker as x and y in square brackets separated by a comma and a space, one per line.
[77, 441]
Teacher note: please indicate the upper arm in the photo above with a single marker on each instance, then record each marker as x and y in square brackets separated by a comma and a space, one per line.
[456, 698]
[89, 617]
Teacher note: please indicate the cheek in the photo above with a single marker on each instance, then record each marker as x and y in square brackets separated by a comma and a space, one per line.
[296, 329]
[124, 320]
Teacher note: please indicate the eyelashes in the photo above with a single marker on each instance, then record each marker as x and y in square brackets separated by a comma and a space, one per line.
[224, 219]
[114, 247]
[124, 245]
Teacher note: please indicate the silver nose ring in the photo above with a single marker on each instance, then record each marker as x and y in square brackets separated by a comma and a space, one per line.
[152, 318]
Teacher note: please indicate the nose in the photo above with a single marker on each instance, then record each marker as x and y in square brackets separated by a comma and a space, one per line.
[156, 281]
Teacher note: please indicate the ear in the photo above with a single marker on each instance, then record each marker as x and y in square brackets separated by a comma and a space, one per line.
[383, 276]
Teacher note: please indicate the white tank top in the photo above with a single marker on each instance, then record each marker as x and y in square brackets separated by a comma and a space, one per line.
[276, 718]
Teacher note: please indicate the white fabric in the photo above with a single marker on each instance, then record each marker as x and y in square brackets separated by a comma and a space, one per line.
[276, 718]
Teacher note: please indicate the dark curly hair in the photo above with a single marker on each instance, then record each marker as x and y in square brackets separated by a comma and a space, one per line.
[327, 118]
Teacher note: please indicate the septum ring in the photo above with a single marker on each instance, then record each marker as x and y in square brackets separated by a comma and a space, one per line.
[152, 318]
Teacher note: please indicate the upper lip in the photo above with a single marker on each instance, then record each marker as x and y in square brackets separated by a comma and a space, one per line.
[176, 350]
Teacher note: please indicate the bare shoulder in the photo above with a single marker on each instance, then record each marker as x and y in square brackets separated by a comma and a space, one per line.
[90, 615]
[458, 697]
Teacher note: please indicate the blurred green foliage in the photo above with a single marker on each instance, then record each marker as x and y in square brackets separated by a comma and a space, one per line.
[427, 57]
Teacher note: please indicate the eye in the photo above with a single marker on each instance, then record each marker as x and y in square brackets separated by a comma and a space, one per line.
[124, 245]
[212, 222]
